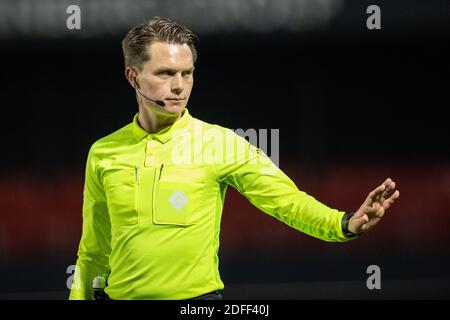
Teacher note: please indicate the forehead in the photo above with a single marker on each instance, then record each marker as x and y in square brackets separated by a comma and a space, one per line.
[171, 55]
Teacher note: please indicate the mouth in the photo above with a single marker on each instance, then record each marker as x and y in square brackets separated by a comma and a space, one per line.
[176, 101]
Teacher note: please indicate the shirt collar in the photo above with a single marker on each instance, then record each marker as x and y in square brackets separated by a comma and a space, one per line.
[164, 134]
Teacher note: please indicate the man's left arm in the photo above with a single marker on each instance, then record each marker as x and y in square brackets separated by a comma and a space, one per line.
[273, 192]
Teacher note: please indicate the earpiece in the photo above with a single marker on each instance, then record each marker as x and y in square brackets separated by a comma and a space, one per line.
[158, 102]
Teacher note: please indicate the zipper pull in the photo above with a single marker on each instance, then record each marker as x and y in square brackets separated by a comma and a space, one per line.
[160, 171]
[136, 174]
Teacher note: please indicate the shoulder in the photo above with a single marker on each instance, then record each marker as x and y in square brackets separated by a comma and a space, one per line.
[112, 141]
[211, 129]
[226, 144]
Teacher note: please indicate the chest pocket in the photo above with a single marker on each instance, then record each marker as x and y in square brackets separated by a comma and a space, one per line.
[178, 195]
[120, 189]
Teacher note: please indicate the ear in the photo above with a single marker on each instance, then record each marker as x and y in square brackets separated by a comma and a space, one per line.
[130, 74]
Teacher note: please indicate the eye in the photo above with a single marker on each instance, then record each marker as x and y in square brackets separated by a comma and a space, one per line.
[164, 73]
[187, 73]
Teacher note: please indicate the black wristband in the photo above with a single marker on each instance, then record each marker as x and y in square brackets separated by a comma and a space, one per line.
[344, 225]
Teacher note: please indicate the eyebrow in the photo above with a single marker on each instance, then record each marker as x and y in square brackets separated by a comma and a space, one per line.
[161, 69]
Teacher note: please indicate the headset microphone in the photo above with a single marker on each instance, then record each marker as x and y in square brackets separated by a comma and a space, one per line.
[158, 102]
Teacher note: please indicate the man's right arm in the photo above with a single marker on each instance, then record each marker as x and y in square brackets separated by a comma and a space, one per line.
[95, 243]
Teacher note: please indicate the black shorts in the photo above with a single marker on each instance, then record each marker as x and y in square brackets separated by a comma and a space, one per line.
[215, 295]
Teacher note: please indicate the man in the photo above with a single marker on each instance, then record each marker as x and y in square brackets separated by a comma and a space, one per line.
[155, 189]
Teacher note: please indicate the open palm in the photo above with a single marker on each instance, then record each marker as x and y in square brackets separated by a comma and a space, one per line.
[374, 207]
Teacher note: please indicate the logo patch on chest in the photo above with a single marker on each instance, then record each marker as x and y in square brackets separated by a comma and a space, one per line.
[178, 199]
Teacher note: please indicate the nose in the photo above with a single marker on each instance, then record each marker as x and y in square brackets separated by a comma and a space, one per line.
[177, 84]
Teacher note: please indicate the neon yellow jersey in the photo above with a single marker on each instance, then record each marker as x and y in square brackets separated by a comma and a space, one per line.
[153, 203]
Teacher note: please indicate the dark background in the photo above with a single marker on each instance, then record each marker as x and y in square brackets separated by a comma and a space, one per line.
[353, 106]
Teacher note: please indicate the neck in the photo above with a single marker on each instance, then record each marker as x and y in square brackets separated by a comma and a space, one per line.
[154, 122]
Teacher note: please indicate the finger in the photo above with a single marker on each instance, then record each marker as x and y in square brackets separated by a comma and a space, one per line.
[388, 202]
[374, 209]
[365, 218]
[374, 219]
[374, 216]
[359, 222]
[369, 225]
[377, 210]
[380, 212]
[387, 182]
[374, 194]
[390, 187]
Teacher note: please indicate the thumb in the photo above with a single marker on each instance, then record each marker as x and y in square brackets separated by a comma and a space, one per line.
[356, 222]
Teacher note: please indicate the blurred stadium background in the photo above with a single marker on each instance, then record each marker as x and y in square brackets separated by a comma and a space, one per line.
[353, 107]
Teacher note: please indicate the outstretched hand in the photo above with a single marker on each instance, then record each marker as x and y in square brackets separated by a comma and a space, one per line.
[374, 207]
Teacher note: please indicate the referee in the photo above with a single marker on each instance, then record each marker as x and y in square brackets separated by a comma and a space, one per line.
[155, 189]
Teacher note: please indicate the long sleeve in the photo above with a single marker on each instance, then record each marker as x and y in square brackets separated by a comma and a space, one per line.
[267, 187]
[95, 243]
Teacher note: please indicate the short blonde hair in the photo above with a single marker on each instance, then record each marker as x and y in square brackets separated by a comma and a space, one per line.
[136, 42]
